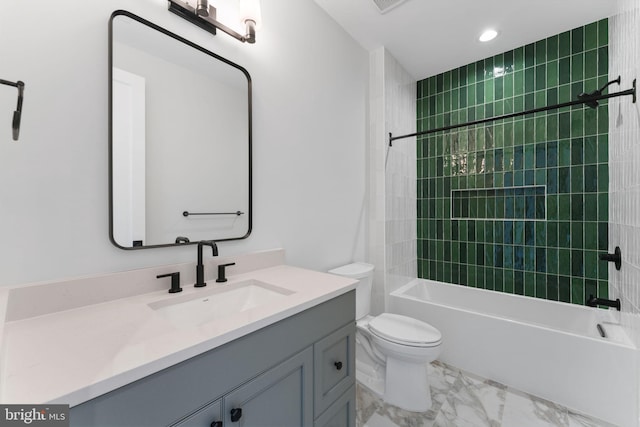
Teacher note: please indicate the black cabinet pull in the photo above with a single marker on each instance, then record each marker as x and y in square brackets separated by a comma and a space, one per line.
[338, 365]
[216, 424]
[236, 414]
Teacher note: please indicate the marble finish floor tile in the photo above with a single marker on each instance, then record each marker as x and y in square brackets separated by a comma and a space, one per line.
[460, 399]
[522, 410]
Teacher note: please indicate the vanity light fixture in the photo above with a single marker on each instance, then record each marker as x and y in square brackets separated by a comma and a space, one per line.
[204, 16]
[488, 35]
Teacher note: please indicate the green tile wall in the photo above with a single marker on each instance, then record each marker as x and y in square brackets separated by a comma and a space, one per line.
[518, 205]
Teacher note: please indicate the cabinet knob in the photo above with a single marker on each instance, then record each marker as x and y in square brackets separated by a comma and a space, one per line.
[338, 365]
[216, 424]
[236, 414]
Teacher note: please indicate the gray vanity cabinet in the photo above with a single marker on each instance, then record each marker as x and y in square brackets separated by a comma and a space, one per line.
[275, 398]
[279, 397]
[342, 413]
[334, 367]
[283, 375]
[206, 417]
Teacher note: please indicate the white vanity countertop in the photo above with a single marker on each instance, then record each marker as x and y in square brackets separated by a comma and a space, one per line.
[75, 355]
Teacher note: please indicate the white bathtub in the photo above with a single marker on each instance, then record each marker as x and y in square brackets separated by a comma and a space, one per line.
[549, 349]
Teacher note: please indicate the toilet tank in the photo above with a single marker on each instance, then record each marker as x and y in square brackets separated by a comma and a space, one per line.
[363, 272]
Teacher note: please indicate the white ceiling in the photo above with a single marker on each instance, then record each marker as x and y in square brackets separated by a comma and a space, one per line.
[432, 36]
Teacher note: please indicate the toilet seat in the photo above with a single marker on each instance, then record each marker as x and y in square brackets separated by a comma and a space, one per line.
[405, 330]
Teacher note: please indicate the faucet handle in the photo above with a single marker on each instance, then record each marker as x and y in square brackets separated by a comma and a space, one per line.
[222, 272]
[615, 257]
[175, 281]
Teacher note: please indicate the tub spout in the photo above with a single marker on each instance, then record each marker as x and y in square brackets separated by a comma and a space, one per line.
[594, 302]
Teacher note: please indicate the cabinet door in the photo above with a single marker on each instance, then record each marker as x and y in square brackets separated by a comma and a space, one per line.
[280, 397]
[206, 417]
[334, 366]
[342, 413]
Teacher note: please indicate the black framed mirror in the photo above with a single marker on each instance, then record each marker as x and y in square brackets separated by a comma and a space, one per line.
[179, 139]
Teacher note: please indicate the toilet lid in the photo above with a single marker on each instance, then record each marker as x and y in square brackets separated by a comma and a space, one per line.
[405, 330]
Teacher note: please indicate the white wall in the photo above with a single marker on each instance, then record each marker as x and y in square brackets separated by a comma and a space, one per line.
[310, 88]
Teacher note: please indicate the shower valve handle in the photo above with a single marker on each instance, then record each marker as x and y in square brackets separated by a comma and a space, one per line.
[615, 257]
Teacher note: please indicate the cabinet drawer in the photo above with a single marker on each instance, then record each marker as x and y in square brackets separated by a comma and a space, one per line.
[206, 417]
[342, 413]
[334, 366]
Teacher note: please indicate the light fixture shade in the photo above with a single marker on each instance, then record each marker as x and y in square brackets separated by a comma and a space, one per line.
[250, 11]
[488, 35]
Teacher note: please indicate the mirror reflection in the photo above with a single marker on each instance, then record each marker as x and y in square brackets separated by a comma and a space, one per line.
[180, 141]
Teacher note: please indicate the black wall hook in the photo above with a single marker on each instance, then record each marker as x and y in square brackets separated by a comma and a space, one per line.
[17, 114]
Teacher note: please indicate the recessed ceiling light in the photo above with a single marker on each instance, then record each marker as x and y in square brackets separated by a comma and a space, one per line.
[488, 35]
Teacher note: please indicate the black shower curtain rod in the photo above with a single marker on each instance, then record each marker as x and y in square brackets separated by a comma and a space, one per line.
[590, 100]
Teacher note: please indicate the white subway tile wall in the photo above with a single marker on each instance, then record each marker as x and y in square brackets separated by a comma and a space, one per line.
[400, 177]
[392, 173]
[624, 161]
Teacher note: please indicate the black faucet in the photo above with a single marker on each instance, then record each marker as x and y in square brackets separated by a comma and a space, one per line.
[594, 302]
[200, 267]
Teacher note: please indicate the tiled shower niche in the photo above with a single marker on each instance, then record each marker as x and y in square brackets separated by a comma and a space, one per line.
[518, 205]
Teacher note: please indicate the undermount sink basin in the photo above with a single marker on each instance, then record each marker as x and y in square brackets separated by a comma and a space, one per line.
[218, 303]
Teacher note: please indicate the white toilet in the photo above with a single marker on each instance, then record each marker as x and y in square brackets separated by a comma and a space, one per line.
[392, 351]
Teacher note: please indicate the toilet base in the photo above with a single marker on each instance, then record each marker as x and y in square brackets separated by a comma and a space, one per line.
[398, 382]
[407, 386]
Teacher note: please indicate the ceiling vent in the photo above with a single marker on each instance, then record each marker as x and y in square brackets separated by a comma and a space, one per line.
[385, 6]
